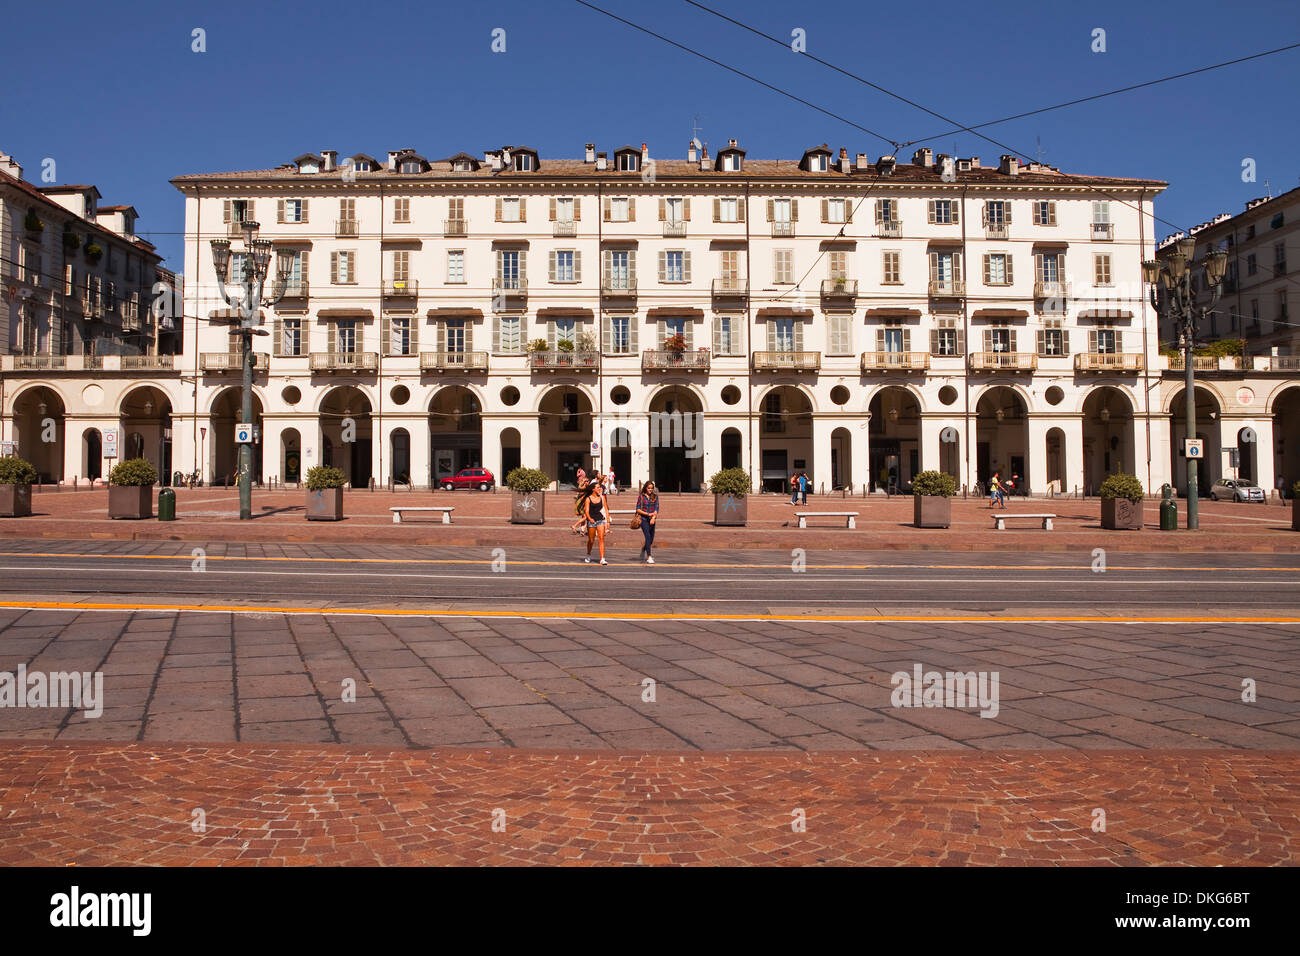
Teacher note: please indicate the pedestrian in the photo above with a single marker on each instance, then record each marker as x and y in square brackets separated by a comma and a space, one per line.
[794, 488]
[1013, 485]
[996, 495]
[613, 483]
[804, 482]
[647, 511]
[593, 510]
[579, 526]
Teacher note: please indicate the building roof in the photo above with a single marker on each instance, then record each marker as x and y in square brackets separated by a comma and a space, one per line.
[130, 209]
[93, 228]
[81, 188]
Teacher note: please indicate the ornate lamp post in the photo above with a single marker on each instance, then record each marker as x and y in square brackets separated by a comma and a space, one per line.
[1174, 275]
[248, 299]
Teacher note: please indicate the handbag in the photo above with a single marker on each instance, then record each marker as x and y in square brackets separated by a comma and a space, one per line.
[636, 522]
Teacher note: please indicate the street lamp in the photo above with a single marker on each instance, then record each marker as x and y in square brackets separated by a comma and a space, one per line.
[1174, 275]
[248, 299]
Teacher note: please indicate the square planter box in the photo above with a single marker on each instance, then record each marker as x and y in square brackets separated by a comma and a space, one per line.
[528, 507]
[15, 501]
[130, 501]
[931, 511]
[325, 505]
[730, 511]
[1120, 514]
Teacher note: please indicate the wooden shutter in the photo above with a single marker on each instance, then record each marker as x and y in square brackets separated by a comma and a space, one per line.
[1011, 278]
[331, 337]
[227, 210]
[957, 275]
[550, 264]
[848, 211]
[771, 335]
[304, 210]
[988, 271]
[606, 263]
[961, 341]
[523, 209]
[740, 210]
[277, 337]
[663, 210]
[577, 265]
[361, 334]
[956, 213]
[497, 207]
[934, 341]
[1006, 212]
[686, 210]
[386, 335]
[798, 335]
[606, 209]
[632, 324]
[305, 256]
[988, 340]
[1013, 337]
[606, 334]
[929, 214]
[334, 268]
[440, 340]
[550, 334]
[794, 210]
[880, 340]
[826, 210]
[717, 210]
[663, 266]
[279, 210]
[1092, 340]
[496, 333]
[771, 210]
[631, 209]
[577, 209]
[551, 206]
[907, 340]
[631, 268]
[688, 331]
[880, 208]
[1038, 267]
[686, 266]
[1119, 340]
[934, 266]
[1041, 336]
[1065, 342]
[717, 335]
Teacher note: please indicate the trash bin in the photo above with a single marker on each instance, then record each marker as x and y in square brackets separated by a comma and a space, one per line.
[166, 505]
[1168, 511]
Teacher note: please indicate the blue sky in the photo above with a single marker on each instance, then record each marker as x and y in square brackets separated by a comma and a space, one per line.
[114, 93]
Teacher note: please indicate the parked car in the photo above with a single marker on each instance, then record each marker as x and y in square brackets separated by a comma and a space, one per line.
[1236, 489]
[479, 478]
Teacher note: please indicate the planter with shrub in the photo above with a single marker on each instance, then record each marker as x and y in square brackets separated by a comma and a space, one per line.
[1122, 503]
[94, 252]
[32, 222]
[71, 242]
[130, 489]
[325, 493]
[932, 494]
[730, 489]
[16, 477]
[528, 495]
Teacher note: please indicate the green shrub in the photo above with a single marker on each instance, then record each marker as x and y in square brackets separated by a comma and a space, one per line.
[539, 345]
[33, 222]
[133, 472]
[1122, 486]
[934, 484]
[71, 241]
[526, 480]
[730, 481]
[1222, 348]
[1295, 490]
[16, 471]
[321, 477]
[94, 251]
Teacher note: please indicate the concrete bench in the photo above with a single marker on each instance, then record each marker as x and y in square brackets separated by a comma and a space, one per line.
[803, 516]
[397, 512]
[999, 520]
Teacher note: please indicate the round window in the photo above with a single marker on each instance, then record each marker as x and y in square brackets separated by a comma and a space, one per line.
[509, 395]
[620, 395]
[1054, 395]
[731, 395]
[400, 394]
[947, 394]
[840, 395]
[291, 395]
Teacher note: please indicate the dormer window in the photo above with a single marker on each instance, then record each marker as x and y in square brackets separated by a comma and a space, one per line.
[525, 162]
[410, 166]
[819, 162]
[309, 167]
[731, 162]
[627, 160]
[462, 166]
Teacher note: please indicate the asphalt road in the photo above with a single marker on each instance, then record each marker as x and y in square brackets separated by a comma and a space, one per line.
[701, 582]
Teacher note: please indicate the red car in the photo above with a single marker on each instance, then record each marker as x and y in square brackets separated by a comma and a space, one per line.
[479, 478]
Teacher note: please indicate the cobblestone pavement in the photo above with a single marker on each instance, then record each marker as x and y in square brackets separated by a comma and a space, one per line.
[218, 677]
[180, 805]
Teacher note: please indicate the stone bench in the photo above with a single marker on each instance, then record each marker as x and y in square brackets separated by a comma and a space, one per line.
[446, 512]
[803, 516]
[999, 520]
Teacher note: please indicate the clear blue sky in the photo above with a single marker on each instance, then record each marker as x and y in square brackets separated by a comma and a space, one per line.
[113, 93]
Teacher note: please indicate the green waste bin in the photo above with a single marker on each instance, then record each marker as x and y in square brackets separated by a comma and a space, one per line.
[1168, 512]
[166, 505]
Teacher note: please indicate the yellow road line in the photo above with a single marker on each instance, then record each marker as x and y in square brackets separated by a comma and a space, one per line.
[639, 616]
[1083, 565]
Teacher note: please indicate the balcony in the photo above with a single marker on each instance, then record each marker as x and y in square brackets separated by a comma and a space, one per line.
[1282, 363]
[50, 363]
[506, 290]
[401, 288]
[947, 288]
[558, 360]
[1004, 361]
[1108, 362]
[456, 227]
[674, 230]
[787, 361]
[1051, 289]
[1205, 363]
[1103, 231]
[232, 361]
[297, 289]
[346, 228]
[895, 361]
[148, 361]
[889, 229]
[995, 230]
[782, 230]
[453, 361]
[668, 360]
[91, 308]
[839, 288]
[730, 288]
[618, 285]
[40, 362]
[235, 229]
[343, 361]
[565, 227]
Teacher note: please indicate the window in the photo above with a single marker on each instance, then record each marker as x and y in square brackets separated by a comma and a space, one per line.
[891, 339]
[1106, 341]
[563, 270]
[997, 213]
[783, 334]
[783, 266]
[566, 330]
[291, 337]
[454, 336]
[999, 340]
[1053, 341]
[731, 162]
[944, 267]
[111, 259]
[455, 266]
[401, 210]
[32, 267]
[510, 210]
[1101, 269]
[241, 210]
[944, 212]
[297, 270]
[618, 209]
[839, 264]
[727, 210]
[835, 211]
[293, 210]
[1044, 213]
[1251, 265]
[1281, 305]
[348, 209]
[997, 269]
[730, 265]
[411, 166]
[726, 335]
[886, 211]
[945, 340]
[509, 269]
[1279, 220]
[1279, 259]
[238, 262]
[564, 209]
[1050, 267]
[839, 333]
[675, 266]
[1101, 213]
[456, 210]
[671, 328]
[362, 165]
[674, 211]
[818, 162]
[782, 210]
[510, 337]
[399, 336]
[525, 162]
[620, 335]
[1254, 311]
[618, 268]
[401, 265]
[1250, 231]
[629, 162]
[343, 267]
[891, 273]
[345, 336]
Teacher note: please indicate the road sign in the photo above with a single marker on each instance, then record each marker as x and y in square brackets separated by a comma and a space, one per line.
[595, 448]
[243, 433]
[1194, 447]
[110, 443]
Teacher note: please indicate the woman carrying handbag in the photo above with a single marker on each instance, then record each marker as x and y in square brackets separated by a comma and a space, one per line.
[647, 511]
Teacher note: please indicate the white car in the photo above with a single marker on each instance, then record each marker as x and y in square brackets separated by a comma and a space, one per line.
[1236, 489]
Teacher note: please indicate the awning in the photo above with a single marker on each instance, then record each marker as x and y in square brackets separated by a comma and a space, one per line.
[1108, 315]
[345, 313]
[999, 314]
[561, 311]
[661, 312]
[888, 312]
[777, 312]
[454, 313]
[232, 315]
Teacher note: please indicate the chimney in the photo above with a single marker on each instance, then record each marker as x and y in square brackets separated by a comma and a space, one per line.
[498, 163]
[329, 160]
[645, 154]
[392, 158]
[862, 161]
[923, 156]
[590, 156]
[705, 165]
[602, 161]
[505, 156]
[975, 163]
[692, 155]
[947, 166]
[731, 143]
[1010, 166]
[885, 165]
[10, 165]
